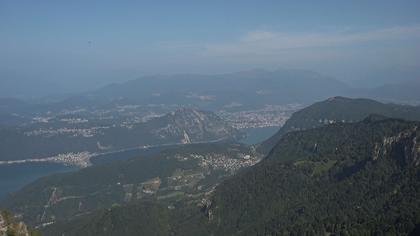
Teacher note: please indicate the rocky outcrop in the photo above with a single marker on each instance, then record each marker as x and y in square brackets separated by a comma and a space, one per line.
[406, 143]
[10, 226]
[195, 126]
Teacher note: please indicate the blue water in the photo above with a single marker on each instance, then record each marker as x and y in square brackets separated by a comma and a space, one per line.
[15, 176]
[128, 154]
[257, 135]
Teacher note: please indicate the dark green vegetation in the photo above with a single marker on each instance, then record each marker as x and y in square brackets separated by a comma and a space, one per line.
[184, 173]
[339, 110]
[43, 140]
[345, 179]
[342, 179]
[143, 218]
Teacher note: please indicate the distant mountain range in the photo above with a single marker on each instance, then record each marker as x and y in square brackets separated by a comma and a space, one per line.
[339, 110]
[407, 91]
[249, 88]
[246, 89]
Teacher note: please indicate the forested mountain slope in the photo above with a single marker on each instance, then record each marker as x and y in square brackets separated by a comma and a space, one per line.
[346, 179]
[341, 110]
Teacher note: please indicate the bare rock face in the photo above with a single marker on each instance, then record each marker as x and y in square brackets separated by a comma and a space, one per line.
[406, 143]
[196, 126]
[10, 226]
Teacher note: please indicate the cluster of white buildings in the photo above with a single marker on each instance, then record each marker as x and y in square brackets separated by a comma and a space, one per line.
[80, 159]
[74, 120]
[224, 162]
[75, 132]
[269, 116]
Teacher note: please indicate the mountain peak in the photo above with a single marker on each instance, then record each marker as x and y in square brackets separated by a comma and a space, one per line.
[339, 98]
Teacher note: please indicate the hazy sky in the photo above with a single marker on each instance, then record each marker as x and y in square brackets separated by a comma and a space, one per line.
[83, 43]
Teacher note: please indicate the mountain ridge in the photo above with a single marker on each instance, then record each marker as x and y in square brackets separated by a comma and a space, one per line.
[327, 158]
[339, 109]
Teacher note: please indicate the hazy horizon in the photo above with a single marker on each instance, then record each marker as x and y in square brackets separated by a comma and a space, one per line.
[62, 47]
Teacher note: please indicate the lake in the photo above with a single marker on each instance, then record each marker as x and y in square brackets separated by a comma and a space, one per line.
[15, 176]
[257, 135]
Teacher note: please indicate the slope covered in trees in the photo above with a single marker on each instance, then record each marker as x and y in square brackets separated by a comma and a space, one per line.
[339, 110]
[345, 179]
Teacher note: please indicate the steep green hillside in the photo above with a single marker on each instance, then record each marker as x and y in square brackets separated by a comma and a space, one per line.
[345, 179]
[143, 218]
[339, 110]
